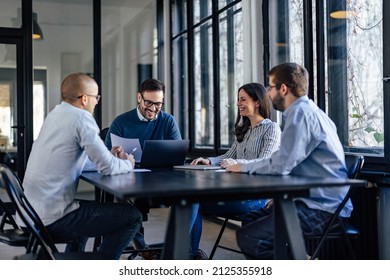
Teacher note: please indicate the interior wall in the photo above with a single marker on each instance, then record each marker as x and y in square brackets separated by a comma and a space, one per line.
[67, 45]
[128, 40]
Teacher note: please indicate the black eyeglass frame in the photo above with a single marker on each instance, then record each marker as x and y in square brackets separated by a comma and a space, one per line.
[268, 88]
[149, 103]
[96, 96]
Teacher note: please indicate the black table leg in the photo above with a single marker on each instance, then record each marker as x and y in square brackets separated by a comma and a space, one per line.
[287, 231]
[177, 235]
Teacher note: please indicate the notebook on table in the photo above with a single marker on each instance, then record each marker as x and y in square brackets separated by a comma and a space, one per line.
[163, 153]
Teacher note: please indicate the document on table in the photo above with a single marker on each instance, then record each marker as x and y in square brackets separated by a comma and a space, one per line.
[130, 145]
[221, 170]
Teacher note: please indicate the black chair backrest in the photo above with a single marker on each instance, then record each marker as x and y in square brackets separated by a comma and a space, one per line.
[35, 226]
[354, 165]
[103, 134]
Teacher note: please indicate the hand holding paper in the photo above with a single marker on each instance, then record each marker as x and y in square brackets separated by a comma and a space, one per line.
[130, 145]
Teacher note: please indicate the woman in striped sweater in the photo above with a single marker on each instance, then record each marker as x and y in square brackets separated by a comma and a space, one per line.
[257, 137]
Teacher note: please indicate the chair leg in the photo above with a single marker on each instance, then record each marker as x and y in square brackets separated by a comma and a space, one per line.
[316, 253]
[218, 238]
[346, 243]
[343, 238]
[96, 243]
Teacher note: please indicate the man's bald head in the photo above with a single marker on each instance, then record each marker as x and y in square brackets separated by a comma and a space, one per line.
[75, 85]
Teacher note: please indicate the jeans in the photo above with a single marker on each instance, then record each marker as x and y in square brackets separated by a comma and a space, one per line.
[218, 208]
[256, 236]
[117, 222]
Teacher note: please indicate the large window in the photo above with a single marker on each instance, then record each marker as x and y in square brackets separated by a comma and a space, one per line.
[341, 44]
[207, 70]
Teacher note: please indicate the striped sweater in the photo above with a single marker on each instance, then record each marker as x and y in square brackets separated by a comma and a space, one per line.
[259, 143]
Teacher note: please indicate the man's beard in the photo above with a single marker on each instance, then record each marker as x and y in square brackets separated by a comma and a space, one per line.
[278, 103]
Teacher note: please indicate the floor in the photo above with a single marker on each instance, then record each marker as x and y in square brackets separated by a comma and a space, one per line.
[154, 232]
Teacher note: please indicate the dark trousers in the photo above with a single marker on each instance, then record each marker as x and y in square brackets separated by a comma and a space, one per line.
[117, 222]
[256, 236]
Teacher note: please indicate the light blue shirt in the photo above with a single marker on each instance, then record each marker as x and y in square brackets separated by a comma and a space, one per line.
[309, 147]
[68, 137]
[142, 118]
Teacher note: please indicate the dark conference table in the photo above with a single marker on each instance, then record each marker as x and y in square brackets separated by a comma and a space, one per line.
[181, 188]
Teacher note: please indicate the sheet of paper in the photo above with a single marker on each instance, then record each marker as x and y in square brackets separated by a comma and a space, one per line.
[137, 170]
[130, 145]
[221, 170]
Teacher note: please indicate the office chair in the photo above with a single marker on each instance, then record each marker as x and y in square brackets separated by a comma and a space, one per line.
[226, 218]
[41, 245]
[338, 228]
[10, 233]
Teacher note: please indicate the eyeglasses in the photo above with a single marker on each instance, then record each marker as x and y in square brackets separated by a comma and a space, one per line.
[96, 96]
[271, 87]
[149, 103]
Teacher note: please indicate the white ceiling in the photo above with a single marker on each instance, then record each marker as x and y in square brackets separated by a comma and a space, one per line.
[79, 12]
[120, 3]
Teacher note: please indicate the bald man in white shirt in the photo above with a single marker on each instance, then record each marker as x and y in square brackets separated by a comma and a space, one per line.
[68, 139]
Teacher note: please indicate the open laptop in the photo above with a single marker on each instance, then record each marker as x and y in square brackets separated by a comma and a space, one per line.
[163, 153]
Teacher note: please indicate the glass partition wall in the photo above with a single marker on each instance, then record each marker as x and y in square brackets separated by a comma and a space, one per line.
[115, 37]
[12, 133]
[8, 107]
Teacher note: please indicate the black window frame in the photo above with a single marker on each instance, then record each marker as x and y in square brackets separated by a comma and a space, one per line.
[186, 117]
[377, 164]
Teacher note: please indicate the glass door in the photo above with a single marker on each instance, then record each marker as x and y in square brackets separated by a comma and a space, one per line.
[8, 102]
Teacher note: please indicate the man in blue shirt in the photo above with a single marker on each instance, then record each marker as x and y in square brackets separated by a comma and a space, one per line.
[310, 147]
[147, 122]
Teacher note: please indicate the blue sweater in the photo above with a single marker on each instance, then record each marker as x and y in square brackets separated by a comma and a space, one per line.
[128, 125]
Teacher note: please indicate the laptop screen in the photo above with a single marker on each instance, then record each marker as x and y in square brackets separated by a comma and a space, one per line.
[164, 153]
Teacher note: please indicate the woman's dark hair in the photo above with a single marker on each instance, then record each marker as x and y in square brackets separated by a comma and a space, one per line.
[258, 93]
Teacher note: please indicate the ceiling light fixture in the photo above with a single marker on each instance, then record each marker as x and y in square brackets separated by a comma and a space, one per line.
[343, 14]
[37, 31]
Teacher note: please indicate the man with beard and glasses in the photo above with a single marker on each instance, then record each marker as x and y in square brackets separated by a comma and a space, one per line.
[309, 146]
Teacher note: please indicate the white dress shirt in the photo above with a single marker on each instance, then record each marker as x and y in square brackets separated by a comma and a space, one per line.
[68, 137]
